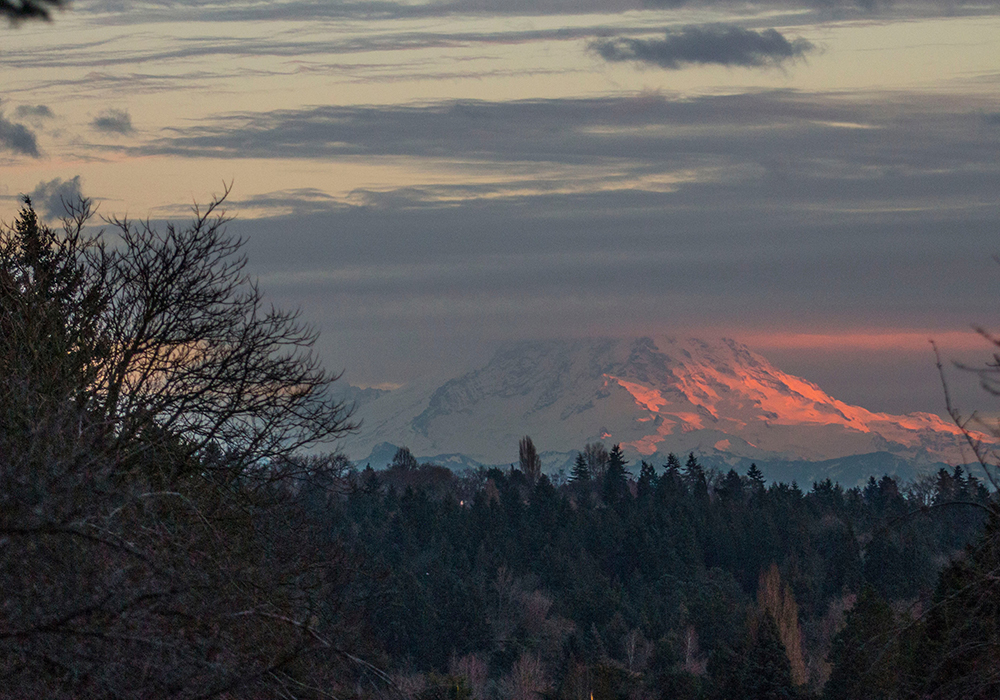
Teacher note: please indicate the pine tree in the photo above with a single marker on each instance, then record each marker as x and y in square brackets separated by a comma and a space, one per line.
[670, 486]
[647, 481]
[756, 478]
[758, 668]
[616, 478]
[581, 472]
[730, 489]
[768, 675]
[864, 654]
[694, 479]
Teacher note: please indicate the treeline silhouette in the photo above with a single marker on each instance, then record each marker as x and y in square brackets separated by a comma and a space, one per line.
[680, 583]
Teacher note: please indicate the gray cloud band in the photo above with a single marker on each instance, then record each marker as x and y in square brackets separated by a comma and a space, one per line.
[838, 137]
[724, 45]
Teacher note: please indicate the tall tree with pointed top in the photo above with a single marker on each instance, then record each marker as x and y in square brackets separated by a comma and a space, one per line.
[581, 472]
[531, 463]
[616, 478]
[647, 481]
[694, 479]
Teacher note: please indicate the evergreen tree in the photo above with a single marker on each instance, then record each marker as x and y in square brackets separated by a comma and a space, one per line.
[756, 477]
[864, 654]
[730, 489]
[647, 481]
[694, 479]
[768, 675]
[758, 669]
[670, 486]
[958, 655]
[616, 478]
[673, 466]
[581, 472]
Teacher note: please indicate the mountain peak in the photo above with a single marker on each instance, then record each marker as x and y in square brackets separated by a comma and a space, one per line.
[652, 395]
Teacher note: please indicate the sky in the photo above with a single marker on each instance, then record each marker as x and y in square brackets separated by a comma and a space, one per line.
[819, 179]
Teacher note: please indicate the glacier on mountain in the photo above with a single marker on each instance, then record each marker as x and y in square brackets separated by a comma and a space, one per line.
[652, 395]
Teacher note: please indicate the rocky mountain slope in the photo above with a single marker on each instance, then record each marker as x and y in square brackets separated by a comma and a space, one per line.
[653, 396]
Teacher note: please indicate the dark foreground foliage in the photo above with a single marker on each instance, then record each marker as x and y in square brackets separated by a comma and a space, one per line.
[153, 539]
[685, 583]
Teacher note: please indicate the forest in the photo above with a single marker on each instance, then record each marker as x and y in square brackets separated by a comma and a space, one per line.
[682, 583]
[168, 528]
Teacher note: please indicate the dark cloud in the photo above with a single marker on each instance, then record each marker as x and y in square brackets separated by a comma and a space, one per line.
[724, 45]
[51, 197]
[113, 121]
[17, 138]
[36, 112]
[784, 137]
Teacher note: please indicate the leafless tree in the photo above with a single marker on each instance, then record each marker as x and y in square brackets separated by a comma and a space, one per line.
[960, 630]
[530, 462]
[596, 456]
[151, 544]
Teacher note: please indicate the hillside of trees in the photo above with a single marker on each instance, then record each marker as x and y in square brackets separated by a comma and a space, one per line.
[167, 529]
[681, 583]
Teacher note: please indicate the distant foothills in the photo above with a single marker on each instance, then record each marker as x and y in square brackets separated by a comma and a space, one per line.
[653, 396]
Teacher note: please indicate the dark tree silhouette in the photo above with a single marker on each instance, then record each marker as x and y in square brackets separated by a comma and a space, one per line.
[616, 478]
[404, 460]
[153, 543]
[531, 464]
[17, 10]
[581, 473]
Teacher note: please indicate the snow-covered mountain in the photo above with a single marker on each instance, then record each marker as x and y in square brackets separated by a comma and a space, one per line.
[651, 395]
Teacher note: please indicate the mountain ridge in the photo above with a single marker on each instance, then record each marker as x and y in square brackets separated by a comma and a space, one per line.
[652, 395]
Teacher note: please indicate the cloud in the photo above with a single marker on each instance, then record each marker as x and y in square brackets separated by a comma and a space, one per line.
[114, 12]
[51, 197]
[725, 45]
[324, 10]
[36, 112]
[785, 137]
[282, 45]
[303, 200]
[17, 138]
[113, 121]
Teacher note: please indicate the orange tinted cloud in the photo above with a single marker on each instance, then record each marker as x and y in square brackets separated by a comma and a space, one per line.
[890, 340]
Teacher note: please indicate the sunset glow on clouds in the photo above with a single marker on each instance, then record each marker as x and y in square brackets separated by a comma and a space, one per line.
[427, 179]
